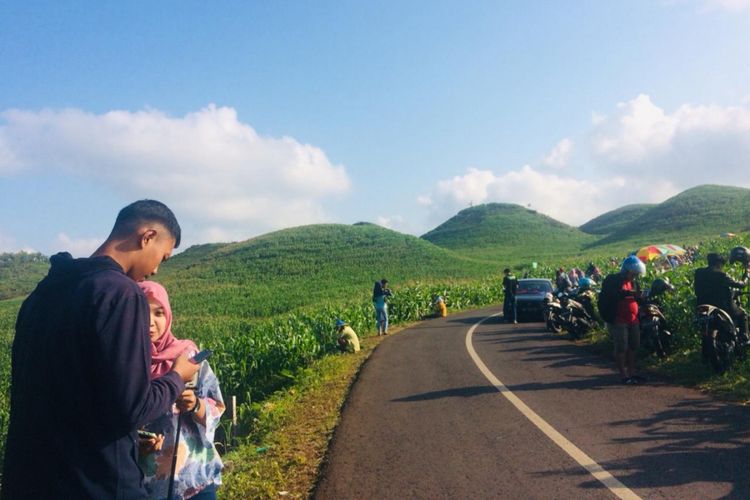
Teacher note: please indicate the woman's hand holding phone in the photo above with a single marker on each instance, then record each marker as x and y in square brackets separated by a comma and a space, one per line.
[185, 368]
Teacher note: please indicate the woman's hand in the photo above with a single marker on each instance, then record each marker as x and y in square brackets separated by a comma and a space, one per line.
[146, 446]
[187, 401]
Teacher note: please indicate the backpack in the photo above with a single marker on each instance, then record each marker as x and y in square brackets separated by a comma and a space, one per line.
[607, 298]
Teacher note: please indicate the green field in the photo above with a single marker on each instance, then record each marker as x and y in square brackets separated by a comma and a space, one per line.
[20, 272]
[267, 305]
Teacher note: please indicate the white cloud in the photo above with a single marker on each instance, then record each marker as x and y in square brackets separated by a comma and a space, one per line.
[728, 5]
[424, 201]
[78, 247]
[639, 129]
[216, 172]
[692, 145]
[395, 222]
[560, 154]
[567, 199]
[641, 154]
[7, 243]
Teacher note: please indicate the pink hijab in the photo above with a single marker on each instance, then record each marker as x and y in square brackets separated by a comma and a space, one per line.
[167, 347]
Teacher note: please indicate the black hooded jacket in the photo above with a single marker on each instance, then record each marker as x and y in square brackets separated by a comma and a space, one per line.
[81, 386]
[714, 287]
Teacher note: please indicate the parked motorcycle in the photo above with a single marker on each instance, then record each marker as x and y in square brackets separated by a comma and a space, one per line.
[552, 311]
[720, 344]
[719, 336]
[578, 316]
[655, 334]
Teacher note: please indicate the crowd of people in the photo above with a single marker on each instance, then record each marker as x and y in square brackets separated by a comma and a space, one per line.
[618, 303]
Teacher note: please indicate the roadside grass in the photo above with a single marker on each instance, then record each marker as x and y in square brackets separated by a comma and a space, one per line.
[283, 452]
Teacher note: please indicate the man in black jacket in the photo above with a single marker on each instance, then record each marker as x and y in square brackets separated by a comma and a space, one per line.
[713, 286]
[80, 372]
[510, 287]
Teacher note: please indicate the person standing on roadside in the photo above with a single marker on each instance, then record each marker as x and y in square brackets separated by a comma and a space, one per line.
[379, 295]
[81, 366]
[510, 287]
[618, 307]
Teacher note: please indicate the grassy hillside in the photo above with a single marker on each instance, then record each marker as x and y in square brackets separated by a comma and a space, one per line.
[700, 212]
[20, 272]
[615, 220]
[287, 269]
[508, 232]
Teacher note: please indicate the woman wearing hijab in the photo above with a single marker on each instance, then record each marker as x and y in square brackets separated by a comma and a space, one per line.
[199, 408]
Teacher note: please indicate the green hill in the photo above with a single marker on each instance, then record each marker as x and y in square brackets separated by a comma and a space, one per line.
[287, 269]
[615, 220]
[20, 272]
[699, 212]
[508, 232]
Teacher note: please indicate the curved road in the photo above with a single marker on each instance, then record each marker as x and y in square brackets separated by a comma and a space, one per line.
[422, 421]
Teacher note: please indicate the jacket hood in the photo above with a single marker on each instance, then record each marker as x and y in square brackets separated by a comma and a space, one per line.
[64, 268]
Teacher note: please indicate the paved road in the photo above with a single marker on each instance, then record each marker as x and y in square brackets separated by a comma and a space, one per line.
[422, 421]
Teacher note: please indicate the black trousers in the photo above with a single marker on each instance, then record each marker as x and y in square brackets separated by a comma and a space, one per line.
[509, 308]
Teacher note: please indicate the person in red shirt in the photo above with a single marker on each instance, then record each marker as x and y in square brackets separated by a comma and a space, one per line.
[618, 307]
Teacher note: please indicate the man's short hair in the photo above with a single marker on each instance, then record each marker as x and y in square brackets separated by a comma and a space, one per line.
[715, 259]
[506, 270]
[143, 212]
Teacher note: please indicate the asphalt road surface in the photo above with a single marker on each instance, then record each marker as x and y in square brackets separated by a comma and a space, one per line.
[423, 421]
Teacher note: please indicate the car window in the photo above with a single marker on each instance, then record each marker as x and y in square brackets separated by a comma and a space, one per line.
[534, 287]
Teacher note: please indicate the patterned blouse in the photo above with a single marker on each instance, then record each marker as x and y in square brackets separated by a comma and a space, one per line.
[198, 462]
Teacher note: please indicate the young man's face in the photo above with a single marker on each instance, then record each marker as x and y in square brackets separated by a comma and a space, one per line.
[155, 249]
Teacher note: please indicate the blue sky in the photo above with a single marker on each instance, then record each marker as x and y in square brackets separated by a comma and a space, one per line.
[247, 117]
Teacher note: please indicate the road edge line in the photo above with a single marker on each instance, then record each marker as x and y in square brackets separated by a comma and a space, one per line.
[596, 470]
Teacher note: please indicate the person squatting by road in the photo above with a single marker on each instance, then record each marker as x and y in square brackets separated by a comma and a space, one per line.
[81, 381]
[618, 307]
[438, 305]
[198, 469]
[348, 340]
[380, 294]
[510, 287]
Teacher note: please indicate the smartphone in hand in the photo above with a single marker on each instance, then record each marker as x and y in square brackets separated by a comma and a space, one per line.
[146, 434]
[201, 356]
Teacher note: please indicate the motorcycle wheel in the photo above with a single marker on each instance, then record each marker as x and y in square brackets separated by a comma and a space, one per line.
[720, 352]
[661, 342]
[553, 326]
[575, 331]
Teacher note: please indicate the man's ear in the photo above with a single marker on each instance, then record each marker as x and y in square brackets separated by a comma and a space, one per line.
[148, 235]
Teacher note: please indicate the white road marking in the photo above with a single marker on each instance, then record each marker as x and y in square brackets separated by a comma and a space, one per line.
[596, 470]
